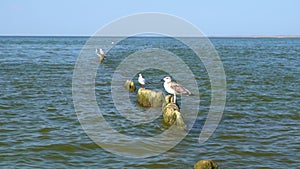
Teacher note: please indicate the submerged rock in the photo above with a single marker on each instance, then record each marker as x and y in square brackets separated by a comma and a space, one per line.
[171, 113]
[130, 85]
[149, 98]
[206, 164]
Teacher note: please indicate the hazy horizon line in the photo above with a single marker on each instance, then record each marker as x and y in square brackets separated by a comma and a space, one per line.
[209, 36]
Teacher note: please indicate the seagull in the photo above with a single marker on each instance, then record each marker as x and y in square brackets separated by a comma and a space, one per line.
[141, 80]
[174, 88]
[100, 54]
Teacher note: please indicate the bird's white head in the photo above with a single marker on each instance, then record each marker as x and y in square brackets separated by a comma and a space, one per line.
[140, 75]
[167, 79]
[101, 51]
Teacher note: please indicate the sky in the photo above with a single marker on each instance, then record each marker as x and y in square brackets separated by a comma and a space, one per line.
[212, 17]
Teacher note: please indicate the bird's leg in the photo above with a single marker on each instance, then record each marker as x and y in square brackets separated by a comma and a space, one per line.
[143, 86]
[174, 98]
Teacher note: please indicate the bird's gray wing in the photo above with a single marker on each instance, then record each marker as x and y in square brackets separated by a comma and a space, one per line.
[179, 89]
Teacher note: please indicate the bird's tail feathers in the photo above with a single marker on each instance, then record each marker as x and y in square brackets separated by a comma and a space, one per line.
[191, 94]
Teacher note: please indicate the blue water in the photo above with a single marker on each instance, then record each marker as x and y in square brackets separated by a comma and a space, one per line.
[259, 128]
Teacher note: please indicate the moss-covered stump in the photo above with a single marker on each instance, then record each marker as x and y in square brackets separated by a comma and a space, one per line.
[149, 98]
[130, 86]
[171, 113]
[100, 58]
[206, 164]
[169, 99]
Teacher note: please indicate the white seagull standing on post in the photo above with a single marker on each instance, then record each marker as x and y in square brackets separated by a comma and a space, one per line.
[100, 54]
[141, 80]
[174, 88]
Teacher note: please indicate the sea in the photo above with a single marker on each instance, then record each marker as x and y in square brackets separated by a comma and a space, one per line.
[41, 127]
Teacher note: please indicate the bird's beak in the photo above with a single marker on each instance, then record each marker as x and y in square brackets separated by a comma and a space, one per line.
[162, 80]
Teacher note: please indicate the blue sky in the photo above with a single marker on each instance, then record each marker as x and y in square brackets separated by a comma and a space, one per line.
[213, 17]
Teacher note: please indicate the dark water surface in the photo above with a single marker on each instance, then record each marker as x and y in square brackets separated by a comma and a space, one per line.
[260, 127]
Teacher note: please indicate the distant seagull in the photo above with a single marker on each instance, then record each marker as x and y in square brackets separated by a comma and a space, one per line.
[174, 88]
[141, 80]
[100, 54]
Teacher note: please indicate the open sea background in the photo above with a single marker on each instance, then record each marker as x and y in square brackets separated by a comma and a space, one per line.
[260, 127]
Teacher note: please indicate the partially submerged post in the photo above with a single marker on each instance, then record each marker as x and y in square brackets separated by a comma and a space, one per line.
[206, 164]
[171, 113]
[149, 98]
[130, 86]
